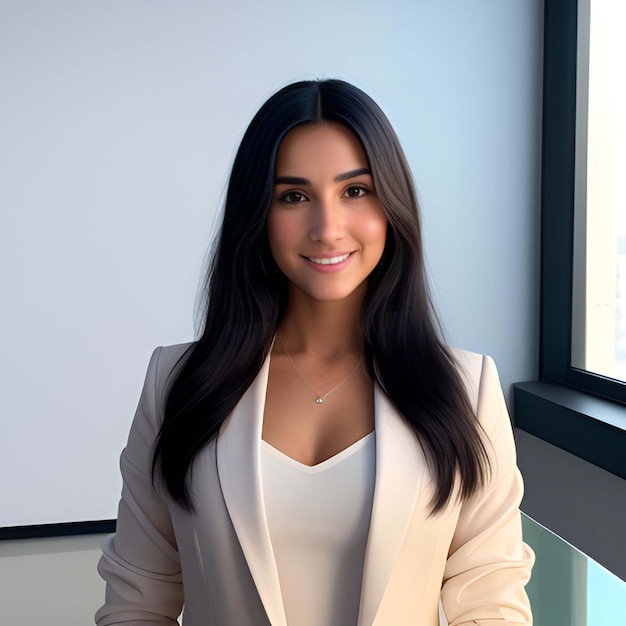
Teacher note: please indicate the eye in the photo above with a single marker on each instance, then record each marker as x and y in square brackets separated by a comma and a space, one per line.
[356, 191]
[292, 197]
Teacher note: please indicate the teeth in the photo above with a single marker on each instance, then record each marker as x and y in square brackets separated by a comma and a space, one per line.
[330, 261]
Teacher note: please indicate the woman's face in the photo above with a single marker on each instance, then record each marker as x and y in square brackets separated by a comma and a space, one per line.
[326, 226]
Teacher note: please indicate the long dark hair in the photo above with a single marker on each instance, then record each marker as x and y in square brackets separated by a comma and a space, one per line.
[246, 297]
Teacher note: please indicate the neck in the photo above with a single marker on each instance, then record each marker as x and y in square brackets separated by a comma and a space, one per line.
[324, 329]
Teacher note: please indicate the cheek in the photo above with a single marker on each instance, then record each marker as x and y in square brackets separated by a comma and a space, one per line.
[375, 230]
[281, 234]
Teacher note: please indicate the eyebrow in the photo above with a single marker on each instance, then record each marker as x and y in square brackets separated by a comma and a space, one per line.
[353, 174]
[296, 180]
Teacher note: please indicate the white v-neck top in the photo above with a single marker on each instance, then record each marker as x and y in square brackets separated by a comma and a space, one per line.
[318, 520]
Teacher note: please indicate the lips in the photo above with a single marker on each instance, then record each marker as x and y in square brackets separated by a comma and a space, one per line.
[333, 260]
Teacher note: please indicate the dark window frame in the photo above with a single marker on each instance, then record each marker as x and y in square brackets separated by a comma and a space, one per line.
[557, 204]
[559, 407]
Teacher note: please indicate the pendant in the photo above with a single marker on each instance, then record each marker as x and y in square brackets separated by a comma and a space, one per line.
[319, 399]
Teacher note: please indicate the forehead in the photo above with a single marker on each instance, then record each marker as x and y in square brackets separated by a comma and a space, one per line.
[321, 144]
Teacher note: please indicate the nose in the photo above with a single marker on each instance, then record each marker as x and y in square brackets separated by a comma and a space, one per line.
[327, 221]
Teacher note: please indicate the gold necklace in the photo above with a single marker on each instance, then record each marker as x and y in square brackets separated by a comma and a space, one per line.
[319, 398]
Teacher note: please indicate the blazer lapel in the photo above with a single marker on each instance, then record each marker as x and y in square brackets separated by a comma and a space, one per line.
[401, 472]
[239, 469]
[401, 476]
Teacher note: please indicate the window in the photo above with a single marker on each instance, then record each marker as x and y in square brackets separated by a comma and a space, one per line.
[582, 262]
[599, 270]
[567, 153]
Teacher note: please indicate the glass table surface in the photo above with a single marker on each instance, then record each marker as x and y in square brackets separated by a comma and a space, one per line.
[567, 587]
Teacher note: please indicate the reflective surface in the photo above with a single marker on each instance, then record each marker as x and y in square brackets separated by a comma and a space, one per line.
[568, 588]
[599, 290]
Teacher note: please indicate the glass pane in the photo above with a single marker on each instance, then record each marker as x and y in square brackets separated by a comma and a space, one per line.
[599, 298]
[568, 588]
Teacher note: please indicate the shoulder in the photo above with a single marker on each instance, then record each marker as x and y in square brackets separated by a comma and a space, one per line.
[165, 358]
[162, 368]
[482, 383]
[150, 411]
[469, 366]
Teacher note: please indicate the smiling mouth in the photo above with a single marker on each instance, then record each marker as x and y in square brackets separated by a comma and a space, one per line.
[333, 260]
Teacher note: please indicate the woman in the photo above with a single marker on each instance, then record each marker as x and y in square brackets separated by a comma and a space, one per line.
[319, 456]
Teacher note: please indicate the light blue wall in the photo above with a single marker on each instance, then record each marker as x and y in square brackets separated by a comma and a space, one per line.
[118, 122]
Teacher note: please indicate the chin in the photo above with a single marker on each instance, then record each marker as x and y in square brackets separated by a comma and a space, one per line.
[335, 295]
[345, 292]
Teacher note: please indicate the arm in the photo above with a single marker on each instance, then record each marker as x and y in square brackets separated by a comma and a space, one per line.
[140, 561]
[488, 563]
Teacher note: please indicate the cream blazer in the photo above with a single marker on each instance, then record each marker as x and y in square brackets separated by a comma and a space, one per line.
[219, 561]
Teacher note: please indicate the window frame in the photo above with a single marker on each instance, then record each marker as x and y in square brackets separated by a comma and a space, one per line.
[557, 206]
[576, 410]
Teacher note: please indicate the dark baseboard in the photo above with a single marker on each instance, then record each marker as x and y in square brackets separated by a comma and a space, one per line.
[57, 530]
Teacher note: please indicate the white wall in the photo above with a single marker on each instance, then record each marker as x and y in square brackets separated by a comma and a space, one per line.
[118, 123]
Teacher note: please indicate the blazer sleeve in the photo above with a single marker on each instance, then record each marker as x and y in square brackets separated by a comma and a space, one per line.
[140, 562]
[488, 563]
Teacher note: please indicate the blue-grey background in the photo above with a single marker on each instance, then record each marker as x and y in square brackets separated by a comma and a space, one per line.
[118, 123]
